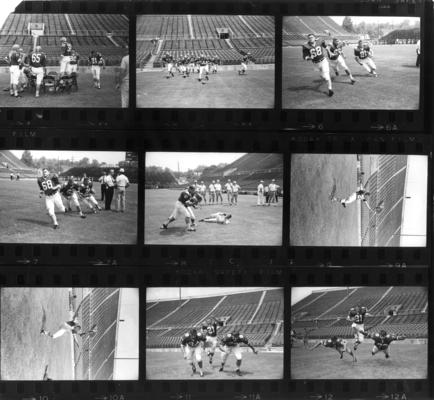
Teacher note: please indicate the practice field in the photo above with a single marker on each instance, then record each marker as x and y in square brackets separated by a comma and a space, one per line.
[86, 96]
[24, 219]
[407, 361]
[314, 219]
[24, 351]
[171, 365]
[226, 89]
[250, 225]
[303, 88]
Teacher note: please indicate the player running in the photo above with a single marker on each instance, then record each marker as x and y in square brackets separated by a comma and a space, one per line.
[96, 61]
[37, 61]
[357, 316]
[70, 191]
[15, 61]
[203, 67]
[191, 348]
[363, 56]
[209, 328]
[247, 58]
[218, 217]
[336, 58]
[183, 207]
[66, 51]
[317, 54]
[168, 61]
[231, 344]
[382, 341]
[340, 345]
[49, 186]
[87, 194]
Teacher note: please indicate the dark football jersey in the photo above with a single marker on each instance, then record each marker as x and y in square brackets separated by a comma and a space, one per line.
[192, 341]
[14, 58]
[74, 59]
[37, 59]
[315, 52]
[335, 51]
[69, 188]
[95, 59]
[184, 197]
[47, 185]
[231, 340]
[211, 330]
[168, 59]
[66, 49]
[358, 316]
[362, 52]
[202, 61]
[383, 342]
[86, 190]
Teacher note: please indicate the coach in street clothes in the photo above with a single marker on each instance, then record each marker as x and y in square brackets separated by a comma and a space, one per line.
[122, 183]
[103, 185]
[124, 80]
[110, 189]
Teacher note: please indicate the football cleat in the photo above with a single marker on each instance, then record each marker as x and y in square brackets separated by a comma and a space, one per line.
[221, 369]
[238, 372]
[164, 226]
[353, 81]
[387, 356]
[201, 373]
[56, 226]
[191, 229]
[337, 73]
[331, 93]
[193, 368]
[344, 205]
[82, 216]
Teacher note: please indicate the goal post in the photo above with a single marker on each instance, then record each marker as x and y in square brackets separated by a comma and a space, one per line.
[35, 29]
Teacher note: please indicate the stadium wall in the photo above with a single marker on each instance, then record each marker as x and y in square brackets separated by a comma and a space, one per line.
[243, 350]
[236, 67]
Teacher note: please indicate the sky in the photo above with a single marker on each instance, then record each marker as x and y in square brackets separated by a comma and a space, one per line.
[109, 157]
[357, 20]
[172, 293]
[298, 293]
[188, 160]
[7, 7]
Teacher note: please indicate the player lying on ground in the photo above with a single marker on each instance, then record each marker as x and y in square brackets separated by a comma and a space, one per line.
[363, 55]
[382, 341]
[191, 347]
[340, 345]
[218, 217]
[357, 316]
[49, 186]
[209, 329]
[337, 59]
[187, 200]
[70, 192]
[312, 51]
[70, 326]
[231, 344]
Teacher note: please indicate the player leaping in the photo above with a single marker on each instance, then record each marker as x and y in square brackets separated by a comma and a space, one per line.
[357, 316]
[340, 345]
[382, 340]
[363, 56]
[317, 54]
[209, 327]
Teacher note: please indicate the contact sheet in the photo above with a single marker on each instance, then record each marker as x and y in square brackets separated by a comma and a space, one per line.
[215, 200]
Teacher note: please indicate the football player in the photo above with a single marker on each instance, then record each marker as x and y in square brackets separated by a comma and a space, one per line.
[247, 58]
[231, 344]
[70, 326]
[209, 328]
[15, 61]
[69, 190]
[218, 217]
[363, 56]
[183, 207]
[312, 51]
[418, 54]
[215, 62]
[73, 63]
[87, 194]
[65, 54]
[382, 341]
[191, 347]
[357, 316]
[49, 186]
[336, 58]
[203, 66]
[168, 61]
[96, 62]
[340, 345]
[37, 61]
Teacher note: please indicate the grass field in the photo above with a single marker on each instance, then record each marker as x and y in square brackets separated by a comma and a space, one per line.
[315, 220]
[86, 96]
[171, 365]
[304, 89]
[23, 218]
[250, 225]
[407, 361]
[24, 351]
[226, 89]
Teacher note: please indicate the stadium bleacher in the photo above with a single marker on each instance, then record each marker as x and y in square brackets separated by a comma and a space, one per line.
[256, 314]
[199, 34]
[325, 311]
[105, 33]
[10, 163]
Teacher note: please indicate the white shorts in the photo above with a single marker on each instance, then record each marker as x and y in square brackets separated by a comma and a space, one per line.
[125, 93]
[169, 67]
[64, 62]
[53, 202]
[244, 66]
[202, 69]
[211, 341]
[72, 68]
[339, 62]
[369, 62]
[323, 68]
[39, 72]
[181, 210]
[14, 71]
[235, 350]
[193, 353]
[358, 328]
[96, 71]
[74, 199]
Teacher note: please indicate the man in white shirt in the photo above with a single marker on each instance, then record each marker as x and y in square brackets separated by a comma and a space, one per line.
[124, 80]
[272, 187]
[109, 181]
[235, 189]
[211, 189]
[228, 187]
[260, 194]
[103, 186]
[218, 192]
[122, 183]
[202, 191]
